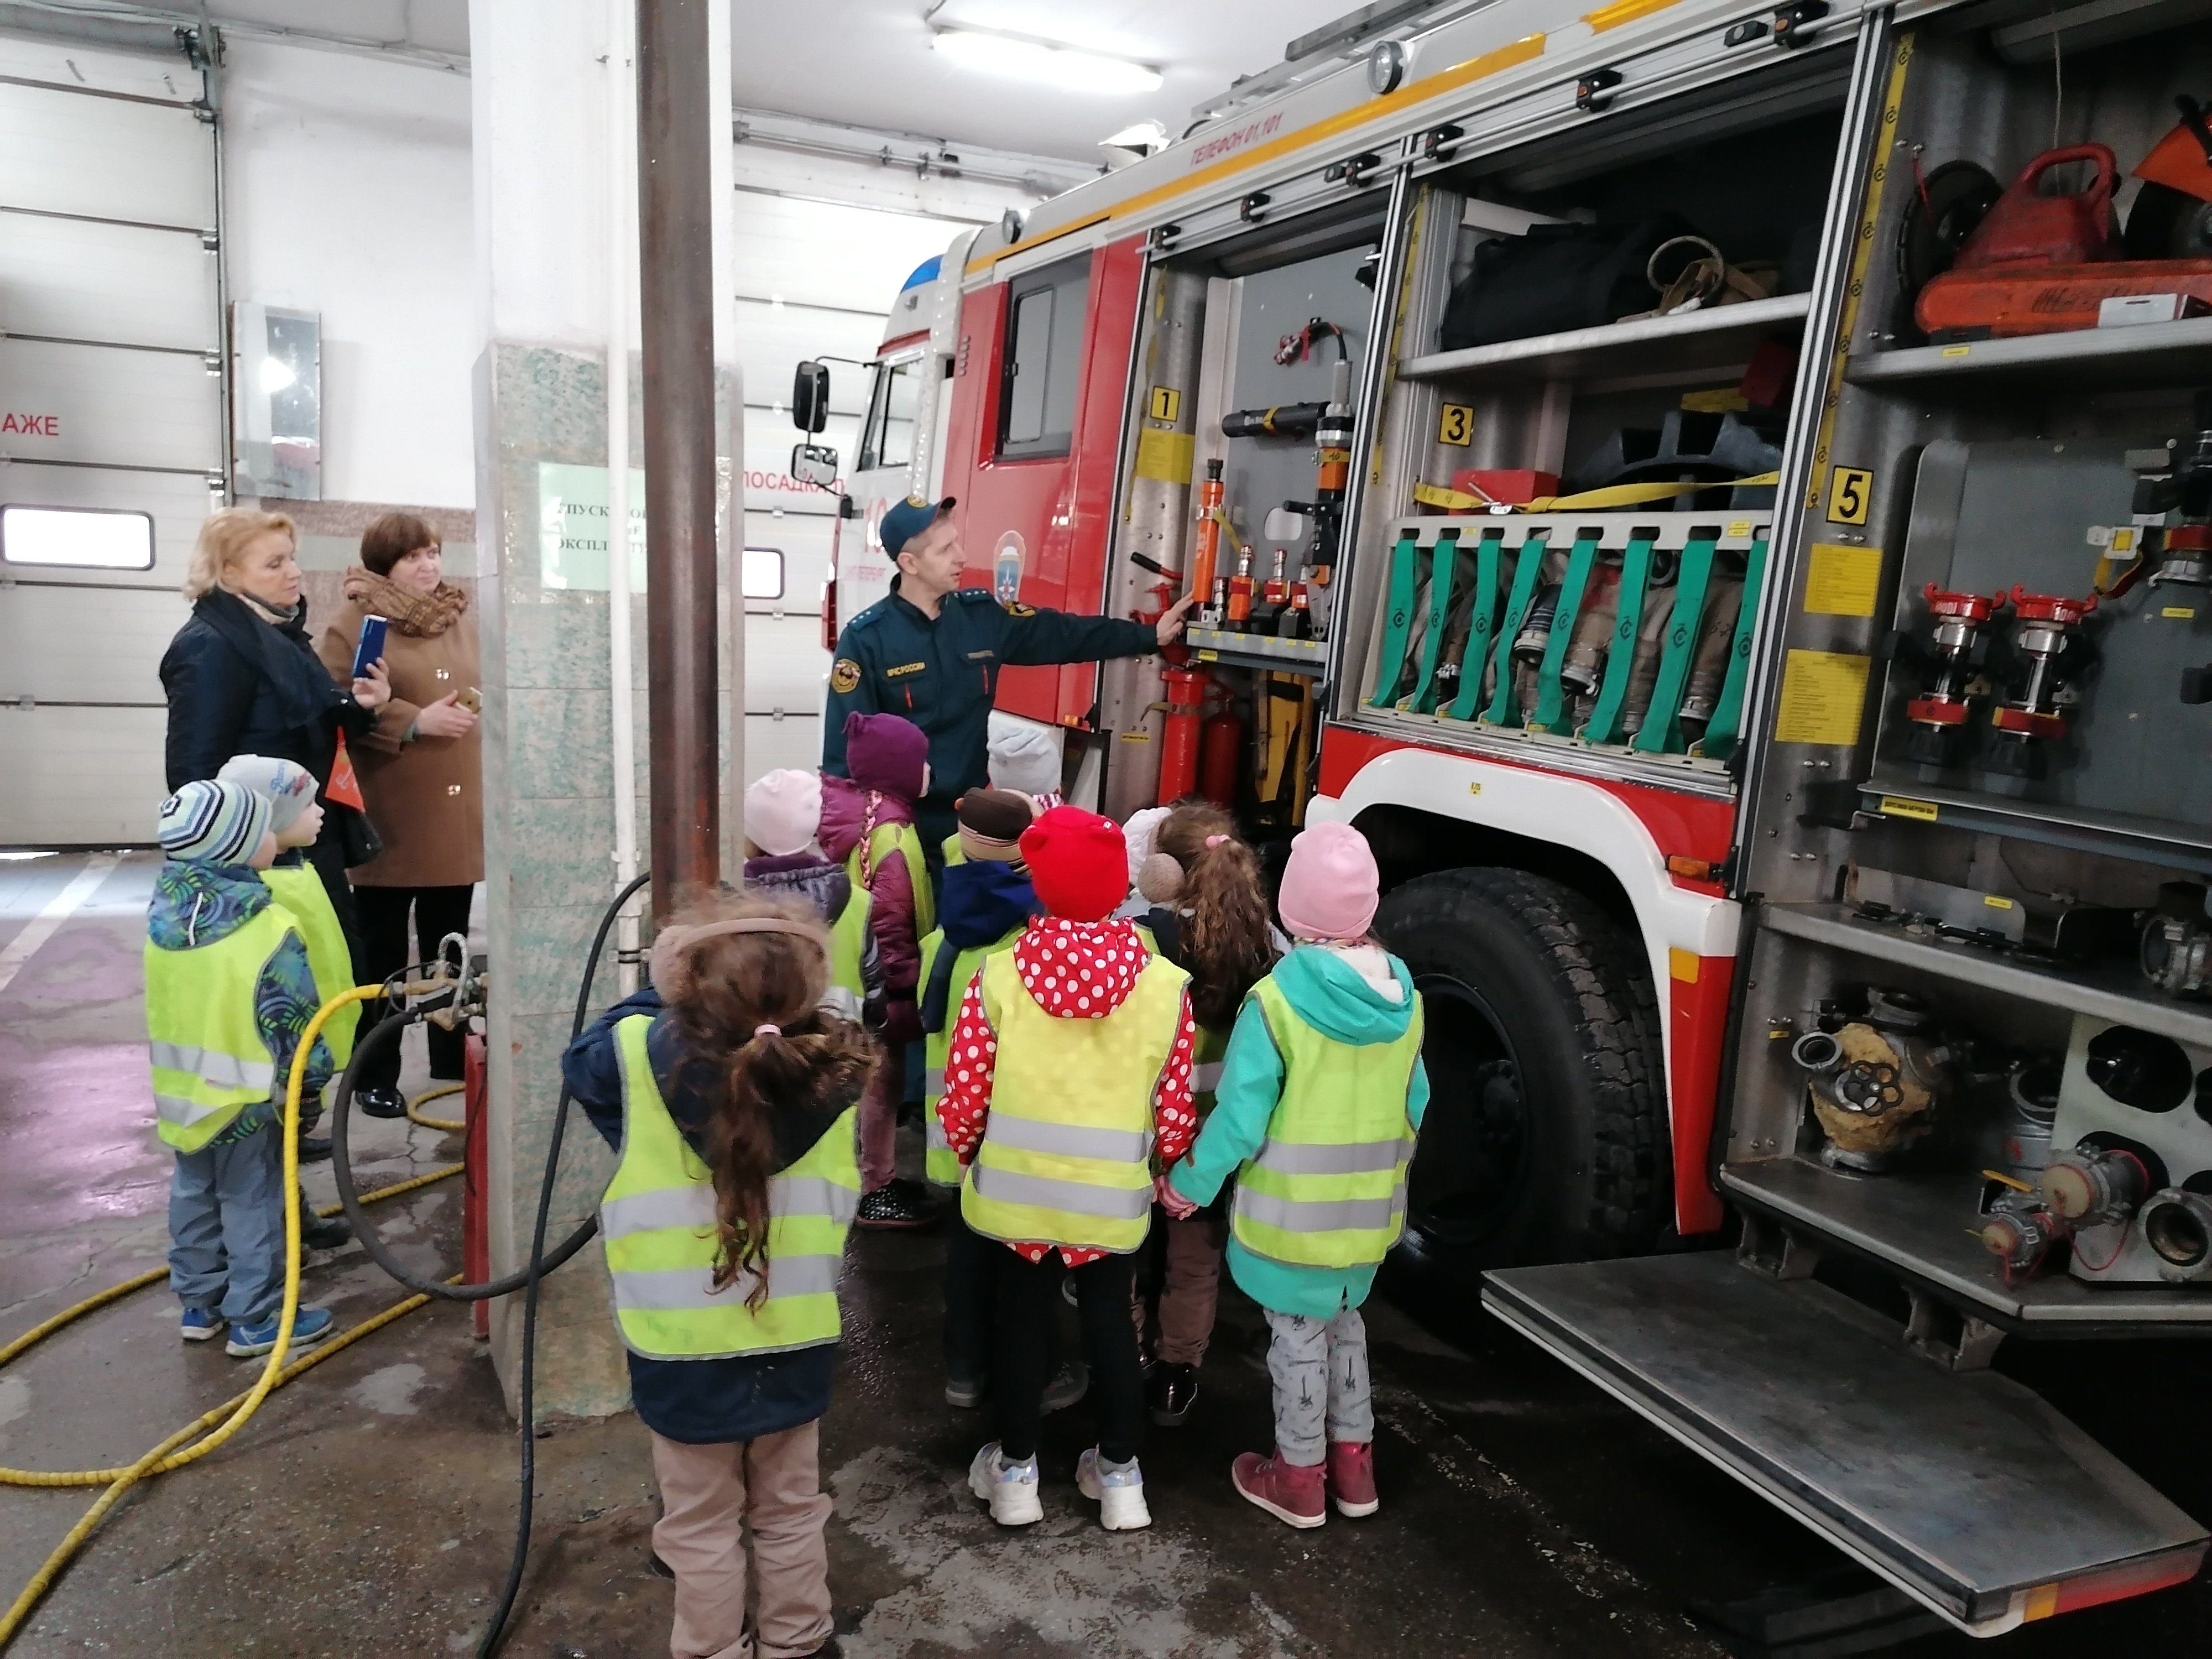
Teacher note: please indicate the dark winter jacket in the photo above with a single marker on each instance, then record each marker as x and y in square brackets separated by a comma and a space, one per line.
[982, 901]
[703, 1402]
[815, 881]
[237, 685]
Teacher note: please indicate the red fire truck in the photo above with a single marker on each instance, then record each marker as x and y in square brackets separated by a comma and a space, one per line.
[1717, 493]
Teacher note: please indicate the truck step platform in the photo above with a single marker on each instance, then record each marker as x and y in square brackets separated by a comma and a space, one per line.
[1964, 1489]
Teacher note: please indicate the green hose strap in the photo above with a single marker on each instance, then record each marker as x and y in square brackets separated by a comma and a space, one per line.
[1398, 614]
[1719, 741]
[1443, 577]
[1528, 560]
[1551, 695]
[1661, 731]
[1620, 653]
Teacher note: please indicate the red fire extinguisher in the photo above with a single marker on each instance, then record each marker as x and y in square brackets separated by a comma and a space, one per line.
[1179, 740]
[1220, 747]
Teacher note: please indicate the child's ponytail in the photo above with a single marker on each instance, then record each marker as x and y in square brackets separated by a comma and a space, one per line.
[748, 1006]
[1226, 947]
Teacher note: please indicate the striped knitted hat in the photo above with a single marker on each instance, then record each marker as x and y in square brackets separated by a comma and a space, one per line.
[212, 822]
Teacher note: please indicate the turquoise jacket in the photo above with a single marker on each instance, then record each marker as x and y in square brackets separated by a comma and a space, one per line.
[1329, 995]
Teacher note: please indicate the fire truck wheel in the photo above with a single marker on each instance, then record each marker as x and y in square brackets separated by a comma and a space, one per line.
[1543, 1139]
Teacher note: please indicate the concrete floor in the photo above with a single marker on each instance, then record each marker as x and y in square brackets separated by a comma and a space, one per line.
[369, 1510]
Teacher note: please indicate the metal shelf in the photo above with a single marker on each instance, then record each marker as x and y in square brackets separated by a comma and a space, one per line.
[2148, 353]
[2115, 993]
[1233, 649]
[1925, 1224]
[2163, 841]
[1694, 340]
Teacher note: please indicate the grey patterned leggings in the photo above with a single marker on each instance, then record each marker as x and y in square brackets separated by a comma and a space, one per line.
[1320, 1372]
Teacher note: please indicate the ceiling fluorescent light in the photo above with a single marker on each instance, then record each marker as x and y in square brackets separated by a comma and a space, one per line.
[1068, 68]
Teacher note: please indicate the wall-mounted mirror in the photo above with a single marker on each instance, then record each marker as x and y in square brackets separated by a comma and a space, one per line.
[277, 401]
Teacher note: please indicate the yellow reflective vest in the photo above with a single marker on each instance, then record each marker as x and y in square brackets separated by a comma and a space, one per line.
[1064, 1153]
[298, 888]
[938, 1163]
[210, 1059]
[657, 1220]
[889, 838]
[848, 944]
[1328, 1188]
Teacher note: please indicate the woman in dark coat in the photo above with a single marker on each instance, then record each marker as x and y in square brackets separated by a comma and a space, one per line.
[242, 679]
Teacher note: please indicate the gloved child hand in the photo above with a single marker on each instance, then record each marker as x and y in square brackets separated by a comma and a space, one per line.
[1171, 1200]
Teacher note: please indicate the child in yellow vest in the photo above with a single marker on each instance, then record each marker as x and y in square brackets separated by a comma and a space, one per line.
[1209, 917]
[1321, 1093]
[783, 811]
[229, 996]
[729, 1094]
[1070, 1063]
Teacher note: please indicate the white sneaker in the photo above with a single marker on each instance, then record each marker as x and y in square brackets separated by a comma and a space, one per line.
[1010, 1489]
[1120, 1492]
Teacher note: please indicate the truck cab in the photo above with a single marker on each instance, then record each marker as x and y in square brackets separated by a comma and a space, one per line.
[1722, 498]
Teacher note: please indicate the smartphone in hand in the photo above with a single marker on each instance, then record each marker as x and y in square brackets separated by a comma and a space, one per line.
[471, 700]
[371, 646]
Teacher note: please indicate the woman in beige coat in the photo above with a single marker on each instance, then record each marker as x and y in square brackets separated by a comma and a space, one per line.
[420, 771]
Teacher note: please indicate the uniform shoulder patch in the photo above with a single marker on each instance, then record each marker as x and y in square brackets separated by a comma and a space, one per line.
[974, 596]
[844, 676]
[1019, 609]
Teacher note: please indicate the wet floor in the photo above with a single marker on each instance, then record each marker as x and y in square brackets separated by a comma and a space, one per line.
[368, 1509]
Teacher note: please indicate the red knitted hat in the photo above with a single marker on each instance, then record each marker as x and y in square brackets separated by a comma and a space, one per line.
[1078, 863]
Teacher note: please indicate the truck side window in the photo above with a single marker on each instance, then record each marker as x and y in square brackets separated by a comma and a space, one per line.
[1043, 361]
[888, 438]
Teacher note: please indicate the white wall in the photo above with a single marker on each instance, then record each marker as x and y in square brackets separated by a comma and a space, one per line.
[350, 189]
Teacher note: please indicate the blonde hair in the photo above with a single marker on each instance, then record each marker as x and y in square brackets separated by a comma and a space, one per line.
[222, 539]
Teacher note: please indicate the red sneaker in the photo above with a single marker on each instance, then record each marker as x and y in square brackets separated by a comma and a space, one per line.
[1291, 1493]
[1352, 1477]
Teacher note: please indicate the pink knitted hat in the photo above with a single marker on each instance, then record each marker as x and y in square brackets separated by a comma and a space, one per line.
[1330, 886]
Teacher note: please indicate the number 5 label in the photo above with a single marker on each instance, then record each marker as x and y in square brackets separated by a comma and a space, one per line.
[1850, 493]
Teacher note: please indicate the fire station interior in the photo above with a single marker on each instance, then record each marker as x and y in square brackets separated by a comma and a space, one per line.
[1967, 1051]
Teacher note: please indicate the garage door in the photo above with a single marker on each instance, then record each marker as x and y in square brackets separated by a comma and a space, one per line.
[111, 425]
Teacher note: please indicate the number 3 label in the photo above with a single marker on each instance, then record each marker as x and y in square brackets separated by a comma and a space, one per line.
[1850, 493]
[1455, 425]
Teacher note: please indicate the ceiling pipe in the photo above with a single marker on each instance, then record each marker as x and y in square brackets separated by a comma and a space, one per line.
[676, 130]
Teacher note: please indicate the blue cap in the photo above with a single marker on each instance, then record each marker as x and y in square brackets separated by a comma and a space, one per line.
[909, 520]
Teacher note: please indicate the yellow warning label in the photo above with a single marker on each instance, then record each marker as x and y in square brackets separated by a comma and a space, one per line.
[1842, 581]
[1823, 695]
[2178, 612]
[1956, 352]
[1739, 527]
[1166, 403]
[1898, 806]
[1455, 425]
[1998, 902]
[1850, 493]
[1166, 456]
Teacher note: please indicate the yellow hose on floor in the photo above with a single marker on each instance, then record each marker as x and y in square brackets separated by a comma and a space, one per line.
[225, 1420]
[452, 1125]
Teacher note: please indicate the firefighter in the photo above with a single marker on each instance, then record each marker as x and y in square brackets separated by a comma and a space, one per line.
[932, 650]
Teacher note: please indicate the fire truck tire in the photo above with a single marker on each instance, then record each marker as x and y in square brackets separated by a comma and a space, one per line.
[1545, 1139]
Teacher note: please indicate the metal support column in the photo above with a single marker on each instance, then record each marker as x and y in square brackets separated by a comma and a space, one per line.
[675, 129]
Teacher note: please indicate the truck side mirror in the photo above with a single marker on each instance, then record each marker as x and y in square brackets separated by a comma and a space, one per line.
[809, 397]
[814, 464]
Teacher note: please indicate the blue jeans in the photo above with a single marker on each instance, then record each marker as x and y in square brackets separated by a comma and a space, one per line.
[227, 1227]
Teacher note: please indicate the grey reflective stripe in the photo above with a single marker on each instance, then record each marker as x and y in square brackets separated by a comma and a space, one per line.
[175, 1109]
[649, 1211]
[1030, 1134]
[692, 1206]
[691, 1290]
[844, 1004]
[933, 1132]
[933, 1080]
[1205, 1079]
[1326, 1215]
[213, 1067]
[790, 1196]
[1074, 1197]
[1359, 1158]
